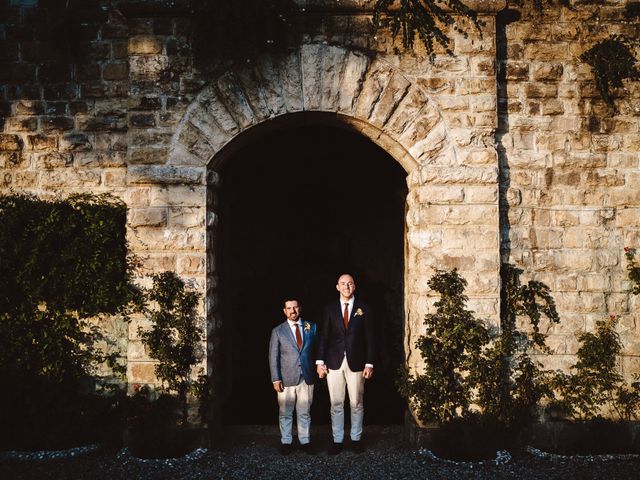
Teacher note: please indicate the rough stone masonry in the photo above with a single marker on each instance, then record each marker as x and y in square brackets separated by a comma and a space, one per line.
[509, 150]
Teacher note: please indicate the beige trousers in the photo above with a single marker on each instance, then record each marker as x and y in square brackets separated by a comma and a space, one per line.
[296, 398]
[337, 380]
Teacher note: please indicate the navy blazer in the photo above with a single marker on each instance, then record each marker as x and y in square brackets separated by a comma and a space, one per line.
[358, 340]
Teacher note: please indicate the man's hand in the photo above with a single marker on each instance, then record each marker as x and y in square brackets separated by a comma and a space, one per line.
[322, 370]
[367, 373]
[277, 386]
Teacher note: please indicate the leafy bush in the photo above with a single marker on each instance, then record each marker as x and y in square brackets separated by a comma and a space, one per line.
[594, 381]
[511, 383]
[465, 365]
[175, 337]
[451, 349]
[61, 262]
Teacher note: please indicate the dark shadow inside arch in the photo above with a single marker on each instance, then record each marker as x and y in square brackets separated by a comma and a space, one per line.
[297, 208]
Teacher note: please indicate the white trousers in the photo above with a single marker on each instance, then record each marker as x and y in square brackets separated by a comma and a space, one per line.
[298, 398]
[354, 382]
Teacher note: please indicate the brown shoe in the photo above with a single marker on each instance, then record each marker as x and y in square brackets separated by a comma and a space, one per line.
[308, 449]
[335, 448]
[286, 449]
[357, 446]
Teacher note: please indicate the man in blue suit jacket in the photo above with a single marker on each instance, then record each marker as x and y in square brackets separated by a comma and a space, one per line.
[346, 353]
[291, 356]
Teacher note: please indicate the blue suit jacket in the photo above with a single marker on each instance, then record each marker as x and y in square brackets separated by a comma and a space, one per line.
[288, 363]
[358, 340]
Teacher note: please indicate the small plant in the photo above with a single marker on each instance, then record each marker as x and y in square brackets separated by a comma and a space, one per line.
[175, 337]
[424, 20]
[594, 381]
[612, 61]
[451, 348]
[511, 383]
[633, 269]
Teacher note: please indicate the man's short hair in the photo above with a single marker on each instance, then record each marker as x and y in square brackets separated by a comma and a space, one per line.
[290, 299]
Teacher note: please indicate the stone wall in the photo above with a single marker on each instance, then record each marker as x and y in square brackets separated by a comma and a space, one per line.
[126, 112]
[571, 175]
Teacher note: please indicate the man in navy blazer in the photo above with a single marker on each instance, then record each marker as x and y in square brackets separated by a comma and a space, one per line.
[291, 355]
[346, 351]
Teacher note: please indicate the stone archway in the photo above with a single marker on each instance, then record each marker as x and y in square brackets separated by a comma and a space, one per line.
[452, 200]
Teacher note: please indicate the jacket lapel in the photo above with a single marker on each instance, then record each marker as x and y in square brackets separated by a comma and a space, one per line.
[286, 330]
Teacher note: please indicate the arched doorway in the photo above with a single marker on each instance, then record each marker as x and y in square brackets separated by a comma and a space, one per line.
[296, 209]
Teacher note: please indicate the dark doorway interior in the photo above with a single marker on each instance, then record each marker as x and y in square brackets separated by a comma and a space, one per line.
[297, 209]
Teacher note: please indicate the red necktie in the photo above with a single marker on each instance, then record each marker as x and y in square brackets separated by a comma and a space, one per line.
[298, 336]
[345, 315]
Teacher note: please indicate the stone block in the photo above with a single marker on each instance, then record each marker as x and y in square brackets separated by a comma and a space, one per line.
[53, 160]
[66, 178]
[99, 159]
[541, 90]
[75, 142]
[165, 175]
[191, 264]
[142, 120]
[10, 142]
[232, 95]
[137, 197]
[141, 372]
[187, 216]
[177, 195]
[145, 45]
[114, 177]
[149, 217]
[547, 72]
[21, 124]
[147, 156]
[136, 351]
[424, 238]
[115, 71]
[435, 194]
[481, 237]
[146, 67]
[481, 194]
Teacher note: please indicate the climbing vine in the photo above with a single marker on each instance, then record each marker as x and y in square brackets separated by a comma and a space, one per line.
[612, 61]
[424, 20]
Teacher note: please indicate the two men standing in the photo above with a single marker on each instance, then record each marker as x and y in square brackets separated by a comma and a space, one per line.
[345, 355]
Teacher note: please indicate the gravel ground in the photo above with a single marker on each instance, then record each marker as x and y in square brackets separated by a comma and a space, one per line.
[255, 456]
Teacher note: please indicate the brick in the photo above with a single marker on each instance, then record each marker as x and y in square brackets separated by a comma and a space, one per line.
[42, 142]
[54, 72]
[48, 124]
[21, 124]
[17, 73]
[115, 71]
[142, 120]
[9, 142]
[145, 45]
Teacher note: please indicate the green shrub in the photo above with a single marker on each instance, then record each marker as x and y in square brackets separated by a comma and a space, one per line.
[464, 365]
[61, 262]
[594, 380]
[175, 337]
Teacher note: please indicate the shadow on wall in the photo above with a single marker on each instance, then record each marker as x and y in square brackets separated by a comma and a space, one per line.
[296, 210]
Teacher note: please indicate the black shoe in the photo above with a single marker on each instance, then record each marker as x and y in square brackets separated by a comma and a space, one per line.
[308, 449]
[286, 449]
[335, 448]
[357, 446]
